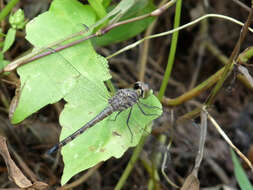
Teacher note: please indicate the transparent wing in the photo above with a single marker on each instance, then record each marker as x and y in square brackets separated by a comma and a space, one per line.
[90, 77]
[89, 94]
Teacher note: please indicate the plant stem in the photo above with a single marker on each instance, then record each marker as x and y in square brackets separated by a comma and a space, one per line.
[7, 9]
[130, 164]
[195, 91]
[172, 51]
[144, 52]
[229, 65]
[42, 51]
[130, 46]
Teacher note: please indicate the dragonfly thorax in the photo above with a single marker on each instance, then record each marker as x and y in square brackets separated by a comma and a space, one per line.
[123, 99]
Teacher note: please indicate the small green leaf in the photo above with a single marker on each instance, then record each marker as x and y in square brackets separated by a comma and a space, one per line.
[17, 20]
[106, 3]
[49, 79]
[9, 40]
[117, 12]
[240, 175]
[129, 30]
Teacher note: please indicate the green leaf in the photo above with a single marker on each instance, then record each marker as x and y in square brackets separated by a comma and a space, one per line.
[240, 175]
[116, 13]
[49, 79]
[77, 75]
[9, 40]
[107, 138]
[17, 20]
[98, 7]
[129, 30]
[106, 3]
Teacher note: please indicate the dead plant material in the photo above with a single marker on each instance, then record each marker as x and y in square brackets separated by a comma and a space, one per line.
[15, 173]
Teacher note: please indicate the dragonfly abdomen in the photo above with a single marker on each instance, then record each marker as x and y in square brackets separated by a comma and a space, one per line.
[103, 114]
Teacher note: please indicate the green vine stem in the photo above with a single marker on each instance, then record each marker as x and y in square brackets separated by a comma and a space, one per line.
[172, 53]
[7, 9]
[130, 164]
[229, 65]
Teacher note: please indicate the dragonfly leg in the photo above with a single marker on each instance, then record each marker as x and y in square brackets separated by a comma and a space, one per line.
[128, 117]
[147, 114]
[149, 106]
[52, 50]
[86, 28]
[115, 116]
[53, 149]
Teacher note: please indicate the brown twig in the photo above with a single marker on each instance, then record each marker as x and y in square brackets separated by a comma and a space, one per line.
[225, 72]
[48, 50]
[81, 179]
[144, 52]
[223, 59]
[24, 166]
[15, 173]
[232, 57]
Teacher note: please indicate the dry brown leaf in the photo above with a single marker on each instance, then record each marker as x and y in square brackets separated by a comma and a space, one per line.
[15, 174]
[38, 185]
[191, 183]
[245, 72]
[14, 102]
[249, 156]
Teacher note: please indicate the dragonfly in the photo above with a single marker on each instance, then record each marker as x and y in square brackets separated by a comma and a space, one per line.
[123, 99]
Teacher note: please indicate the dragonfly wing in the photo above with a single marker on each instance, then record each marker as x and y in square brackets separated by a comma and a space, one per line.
[88, 73]
[88, 96]
[81, 107]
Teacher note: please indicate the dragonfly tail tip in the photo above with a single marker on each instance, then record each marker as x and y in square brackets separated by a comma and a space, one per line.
[52, 150]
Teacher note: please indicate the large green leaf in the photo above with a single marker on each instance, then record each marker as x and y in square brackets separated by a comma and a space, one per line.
[76, 75]
[49, 79]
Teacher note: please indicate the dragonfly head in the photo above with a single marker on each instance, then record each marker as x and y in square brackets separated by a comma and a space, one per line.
[142, 89]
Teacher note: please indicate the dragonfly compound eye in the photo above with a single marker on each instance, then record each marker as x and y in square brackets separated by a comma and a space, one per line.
[137, 86]
[142, 88]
